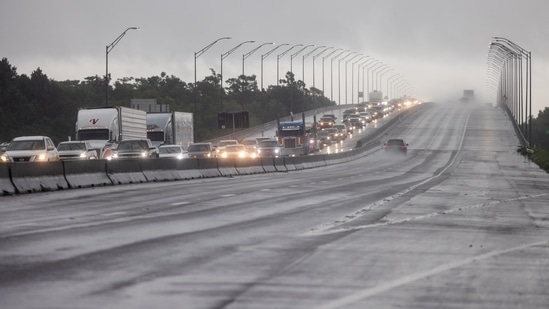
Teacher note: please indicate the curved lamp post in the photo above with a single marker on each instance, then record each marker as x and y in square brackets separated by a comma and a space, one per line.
[278, 61]
[265, 56]
[248, 54]
[323, 59]
[339, 75]
[223, 56]
[303, 62]
[353, 78]
[198, 54]
[107, 51]
[292, 56]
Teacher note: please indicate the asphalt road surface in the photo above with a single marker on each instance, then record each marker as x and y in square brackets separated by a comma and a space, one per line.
[460, 222]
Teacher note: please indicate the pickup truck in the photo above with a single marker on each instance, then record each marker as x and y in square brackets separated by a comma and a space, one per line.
[135, 148]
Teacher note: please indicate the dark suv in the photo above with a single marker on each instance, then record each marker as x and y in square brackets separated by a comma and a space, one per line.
[135, 148]
[396, 145]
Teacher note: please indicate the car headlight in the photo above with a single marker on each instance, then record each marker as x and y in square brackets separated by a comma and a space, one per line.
[4, 158]
[242, 154]
[224, 155]
[42, 157]
[83, 155]
[144, 154]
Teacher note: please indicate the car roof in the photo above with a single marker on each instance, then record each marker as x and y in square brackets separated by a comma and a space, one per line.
[73, 142]
[29, 138]
[166, 146]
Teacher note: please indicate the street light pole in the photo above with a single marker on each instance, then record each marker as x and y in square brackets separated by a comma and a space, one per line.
[323, 59]
[223, 56]
[303, 63]
[278, 61]
[314, 57]
[196, 55]
[353, 79]
[295, 54]
[248, 54]
[265, 56]
[339, 75]
[107, 51]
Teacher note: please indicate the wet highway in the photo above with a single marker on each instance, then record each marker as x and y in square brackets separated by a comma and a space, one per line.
[459, 222]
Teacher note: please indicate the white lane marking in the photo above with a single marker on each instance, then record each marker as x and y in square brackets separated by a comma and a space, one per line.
[228, 195]
[360, 295]
[263, 190]
[359, 213]
[179, 203]
[420, 217]
[114, 214]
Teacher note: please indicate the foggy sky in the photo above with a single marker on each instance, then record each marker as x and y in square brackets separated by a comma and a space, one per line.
[440, 47]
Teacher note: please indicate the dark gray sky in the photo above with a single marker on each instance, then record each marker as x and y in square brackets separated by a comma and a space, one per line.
[440, 47]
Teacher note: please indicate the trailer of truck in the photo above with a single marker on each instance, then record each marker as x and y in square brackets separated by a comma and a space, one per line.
[102, 126]
[175, 128]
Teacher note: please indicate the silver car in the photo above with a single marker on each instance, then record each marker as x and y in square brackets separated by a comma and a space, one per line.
[76, 150]
[30, 149]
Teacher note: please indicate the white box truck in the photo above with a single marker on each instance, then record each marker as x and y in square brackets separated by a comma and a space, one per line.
[175, 128]
[103, 126]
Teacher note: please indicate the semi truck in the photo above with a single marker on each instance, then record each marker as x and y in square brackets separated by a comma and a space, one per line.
[175, 128]
[104, 126]
[292, 136]
[375, 97]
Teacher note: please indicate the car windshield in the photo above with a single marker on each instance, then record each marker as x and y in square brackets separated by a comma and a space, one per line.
[134, 145]
[268, 144]
[225, 143]
[197, 148]
[71, 146]
[171, 149]
[27, 145]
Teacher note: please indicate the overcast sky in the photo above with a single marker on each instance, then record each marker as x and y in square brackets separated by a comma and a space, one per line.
[439, 47]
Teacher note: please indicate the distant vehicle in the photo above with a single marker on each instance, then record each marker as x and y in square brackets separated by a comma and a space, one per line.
[201, 150]
[175, 128]
[76, 150]
[335, 135]
[396, 145]
[326, 122]
[342, 129]
[330, 116]
[250, 144]
[103, 126]
[367, 116]
[292, 136]
[135, 148]
[375, 97]
[30, 149]
[350, 112]
[269, 148]
[172, 151]
[356, 122]
[323, 138]
[234, 151]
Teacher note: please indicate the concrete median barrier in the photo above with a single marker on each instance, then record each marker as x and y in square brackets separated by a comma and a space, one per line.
[249, 166]
[86, 173]
[268, 165]
[208, 167]
[29, 177]
[126, 171]
[188, 169]
[162, 169]
[227, 166]
[279, 164]
[313, 161]
[289, 163]
[6, 187]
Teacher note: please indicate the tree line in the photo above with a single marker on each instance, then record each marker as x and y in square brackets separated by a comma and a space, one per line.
[38, 105]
